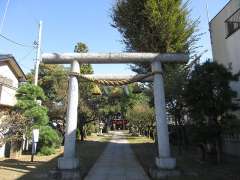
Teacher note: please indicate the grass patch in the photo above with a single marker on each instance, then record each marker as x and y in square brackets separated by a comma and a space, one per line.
[22, 169]
[145, 151]
[188, 162]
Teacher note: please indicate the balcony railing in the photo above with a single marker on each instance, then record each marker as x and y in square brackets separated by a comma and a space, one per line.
[233, 23]
[6, 81]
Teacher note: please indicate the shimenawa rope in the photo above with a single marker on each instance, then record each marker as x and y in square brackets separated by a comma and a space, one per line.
[115, 82]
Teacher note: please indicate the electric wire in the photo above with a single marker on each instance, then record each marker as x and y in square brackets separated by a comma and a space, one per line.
[4, 15]
[16, 43]
[24, 57]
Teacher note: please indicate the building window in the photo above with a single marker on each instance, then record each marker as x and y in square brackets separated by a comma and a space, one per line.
[233, 23]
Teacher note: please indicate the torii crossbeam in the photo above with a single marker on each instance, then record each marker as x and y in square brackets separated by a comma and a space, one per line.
[69, 161]
[112, 58]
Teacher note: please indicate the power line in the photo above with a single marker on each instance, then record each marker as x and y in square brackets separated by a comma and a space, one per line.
[6, 38]
[26, 55]
[4, 15]
[20, 61]
[16, 43]
[26, 67]
[23, 58]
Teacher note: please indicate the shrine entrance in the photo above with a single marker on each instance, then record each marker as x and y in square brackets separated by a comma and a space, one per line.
[69, 160]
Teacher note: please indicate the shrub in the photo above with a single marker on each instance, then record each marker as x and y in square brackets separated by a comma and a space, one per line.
[140, 117]
[91, 128]
[47, 151]
[78, 134]
[49, 140]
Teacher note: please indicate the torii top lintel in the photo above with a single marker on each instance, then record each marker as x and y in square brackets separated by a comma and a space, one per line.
[113, 58]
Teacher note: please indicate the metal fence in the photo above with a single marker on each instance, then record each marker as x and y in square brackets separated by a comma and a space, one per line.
[231, 144]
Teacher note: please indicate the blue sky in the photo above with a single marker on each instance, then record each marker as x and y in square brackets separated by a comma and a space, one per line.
[67, 22]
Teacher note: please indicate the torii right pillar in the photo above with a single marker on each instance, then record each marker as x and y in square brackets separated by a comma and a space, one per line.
[164, 159]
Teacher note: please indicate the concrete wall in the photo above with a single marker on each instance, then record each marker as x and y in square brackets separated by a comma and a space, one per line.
[2, 146]
[2, 151]
[5, 71]
[226, 49]
[7, 96]
[7, 92]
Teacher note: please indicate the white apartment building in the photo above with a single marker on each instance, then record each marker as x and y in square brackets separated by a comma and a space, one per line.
[225, 38]
[10, 76]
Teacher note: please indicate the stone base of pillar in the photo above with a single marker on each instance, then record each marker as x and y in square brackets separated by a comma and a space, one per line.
[68, 163]
[165, 167]
[64, 174]
[166, 163]
[156, 173]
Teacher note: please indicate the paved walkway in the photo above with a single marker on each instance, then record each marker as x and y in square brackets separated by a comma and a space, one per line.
[117, 162]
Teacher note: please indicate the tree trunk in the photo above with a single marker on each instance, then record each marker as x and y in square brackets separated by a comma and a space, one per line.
[81, 132]
[149, 132]
[185, 137]
[16, 149]
[179, 138]
[219, 149]
[203, 151]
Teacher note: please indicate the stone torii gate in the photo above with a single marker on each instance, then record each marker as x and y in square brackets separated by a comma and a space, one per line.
[69, 160]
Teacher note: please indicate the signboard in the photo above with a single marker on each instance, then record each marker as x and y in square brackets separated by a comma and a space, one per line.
[35, 135]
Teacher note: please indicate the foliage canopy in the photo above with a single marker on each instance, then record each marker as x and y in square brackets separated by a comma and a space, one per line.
[209, 99]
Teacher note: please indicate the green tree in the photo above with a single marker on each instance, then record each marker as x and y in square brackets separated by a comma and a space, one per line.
[27, 96]
[175, 82]
[141, 118]
[159, 26]
[86, 113]
[13, 126]
[81, 48]
[154, 26]
[49, 140]
[54, 82]
[209, 96]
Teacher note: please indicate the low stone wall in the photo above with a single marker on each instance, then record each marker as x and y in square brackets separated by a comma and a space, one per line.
[2, 150]
[231, 144]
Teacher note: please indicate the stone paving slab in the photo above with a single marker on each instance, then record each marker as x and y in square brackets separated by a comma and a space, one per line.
[117, 162]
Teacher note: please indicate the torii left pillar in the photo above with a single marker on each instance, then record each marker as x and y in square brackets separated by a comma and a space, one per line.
[164, 159]
[69, 160]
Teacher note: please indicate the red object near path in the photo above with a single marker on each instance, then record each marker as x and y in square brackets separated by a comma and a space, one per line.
[119, 121]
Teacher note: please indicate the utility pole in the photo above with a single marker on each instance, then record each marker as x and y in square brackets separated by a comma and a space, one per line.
[208, 19]
[38, 58]
[206, 6]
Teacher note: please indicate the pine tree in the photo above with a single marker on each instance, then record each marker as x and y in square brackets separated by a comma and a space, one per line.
[36, 116]
[27, 96]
